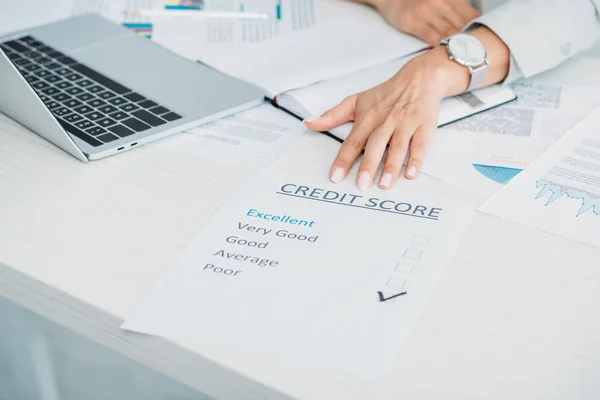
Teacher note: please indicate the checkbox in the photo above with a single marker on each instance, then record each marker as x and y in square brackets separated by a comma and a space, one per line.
[405, 268]
[396, 283]
[421, 239]
[413, 254]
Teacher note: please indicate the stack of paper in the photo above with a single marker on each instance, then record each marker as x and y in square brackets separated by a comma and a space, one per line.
[560, 192]
[478, 153]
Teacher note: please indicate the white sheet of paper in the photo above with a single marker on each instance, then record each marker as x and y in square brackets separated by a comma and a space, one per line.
[292, 266]
[448, 159]
[304, 57]
[503, 151]
[253, 137]
[560, 192]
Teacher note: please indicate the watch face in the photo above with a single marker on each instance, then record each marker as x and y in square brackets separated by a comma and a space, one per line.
[466, 50]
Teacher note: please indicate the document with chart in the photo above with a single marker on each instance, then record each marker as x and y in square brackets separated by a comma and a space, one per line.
[297, 268]
[490, 148]
[517, 133]
[192, 36]
[560, 192]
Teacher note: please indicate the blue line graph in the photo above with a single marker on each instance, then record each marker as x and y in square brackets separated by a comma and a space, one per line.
[589, 201]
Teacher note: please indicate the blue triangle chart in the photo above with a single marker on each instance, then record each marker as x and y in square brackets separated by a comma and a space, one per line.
[498, 174]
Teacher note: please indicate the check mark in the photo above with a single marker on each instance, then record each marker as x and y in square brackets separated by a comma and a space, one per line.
[382, 298]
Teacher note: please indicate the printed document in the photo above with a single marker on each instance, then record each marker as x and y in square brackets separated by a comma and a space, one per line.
[560, 192]
[297, 268]
[190, 37]
[253, 137]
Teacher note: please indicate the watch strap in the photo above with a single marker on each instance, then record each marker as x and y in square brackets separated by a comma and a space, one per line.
[477, 76]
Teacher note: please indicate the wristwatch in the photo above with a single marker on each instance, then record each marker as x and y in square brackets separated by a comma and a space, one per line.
[468, 51]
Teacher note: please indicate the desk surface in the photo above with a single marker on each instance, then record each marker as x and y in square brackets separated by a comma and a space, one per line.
[516, 313]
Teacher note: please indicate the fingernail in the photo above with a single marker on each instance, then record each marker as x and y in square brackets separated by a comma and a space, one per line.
[411, 172]
[311, 119]
[364, 180]
[337, 175]
[386, 180]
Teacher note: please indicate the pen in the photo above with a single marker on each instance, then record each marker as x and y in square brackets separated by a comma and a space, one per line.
[197, 14]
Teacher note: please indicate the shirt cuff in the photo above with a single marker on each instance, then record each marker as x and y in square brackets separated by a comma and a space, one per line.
[514, 72]
[537, 33]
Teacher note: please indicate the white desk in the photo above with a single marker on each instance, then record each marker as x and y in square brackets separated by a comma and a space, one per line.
[516, 314]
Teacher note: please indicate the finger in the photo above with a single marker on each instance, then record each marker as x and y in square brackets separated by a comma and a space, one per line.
[343, 112]
[352, 147]
[418, 147]
[428, 33]
[408, 122]
[431, 25]
[437, 34]
[374, 150]
[466, 12]
[443, 26]
[455, 19]
[395, 158]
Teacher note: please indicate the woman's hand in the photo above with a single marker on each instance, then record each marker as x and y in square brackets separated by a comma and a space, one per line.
[429, 20]
[402, 112]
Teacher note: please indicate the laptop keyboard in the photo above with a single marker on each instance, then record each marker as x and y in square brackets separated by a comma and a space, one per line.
[86, 103]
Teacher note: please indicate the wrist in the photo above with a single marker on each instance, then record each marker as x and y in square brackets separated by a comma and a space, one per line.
[450, 77]
[453, 79]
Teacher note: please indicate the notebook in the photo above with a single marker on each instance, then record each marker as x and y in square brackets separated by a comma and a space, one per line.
[318, 98]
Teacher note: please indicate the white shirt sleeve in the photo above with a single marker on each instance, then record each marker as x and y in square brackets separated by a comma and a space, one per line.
[541, 34]
[514, 72]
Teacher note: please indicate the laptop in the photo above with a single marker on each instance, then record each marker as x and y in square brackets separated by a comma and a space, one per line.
[95, 89]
